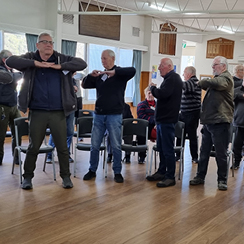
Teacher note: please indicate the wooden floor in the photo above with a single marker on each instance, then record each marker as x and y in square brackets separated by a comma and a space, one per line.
[102, 211]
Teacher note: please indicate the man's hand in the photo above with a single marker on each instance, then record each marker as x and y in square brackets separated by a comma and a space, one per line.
[152, 84]
[109, 73]
[47, 65]
[75, 89]
[95, 73]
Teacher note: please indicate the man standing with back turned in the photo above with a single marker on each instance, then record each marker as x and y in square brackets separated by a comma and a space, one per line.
[166, 116]
[48, 92]
[216, 116]
[110, 85]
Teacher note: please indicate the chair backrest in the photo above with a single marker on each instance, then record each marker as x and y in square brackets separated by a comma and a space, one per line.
[84, 126]
[21, 128]
[179, 129]
[85, 113]
[138, 127]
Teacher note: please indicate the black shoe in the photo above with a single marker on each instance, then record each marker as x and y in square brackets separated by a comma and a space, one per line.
[71, 160]
[235, 167]
[118, 178]
[27, 184]
[177, 158]
[222, 185]
[141, 160]
[195, 161]
[166, 183]
[89, 175]
[67, 183]
[109, 158]
[196, 181]
[155, 177]
[127, 159]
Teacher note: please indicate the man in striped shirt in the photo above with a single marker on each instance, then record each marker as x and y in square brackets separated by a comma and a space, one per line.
[190, 109]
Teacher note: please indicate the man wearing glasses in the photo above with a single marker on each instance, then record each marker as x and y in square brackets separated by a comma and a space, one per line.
[216, 116]
[48, 92]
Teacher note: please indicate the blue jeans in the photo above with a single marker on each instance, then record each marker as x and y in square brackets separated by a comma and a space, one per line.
[69, 130]
[113, 124]
[165, 145]
[217, 134]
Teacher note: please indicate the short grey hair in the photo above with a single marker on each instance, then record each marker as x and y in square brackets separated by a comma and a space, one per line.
[222, 60]
[238, 67]
[191, 70]
[4, 54]
[110, 53]
[41, 35]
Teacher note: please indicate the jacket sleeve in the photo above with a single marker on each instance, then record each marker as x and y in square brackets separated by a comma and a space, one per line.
[73, 64]
[219, 83]
[166, 89]
[5, 77]
[20, 62]
[89, 82]
[127, 72]
[239, 93]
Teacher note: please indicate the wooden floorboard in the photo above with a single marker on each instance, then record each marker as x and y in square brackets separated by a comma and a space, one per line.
[102, 211]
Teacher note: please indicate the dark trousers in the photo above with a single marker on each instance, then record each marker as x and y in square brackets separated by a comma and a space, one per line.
[10, 113]
[191, 120]
[238, 144]
[217, 134]
[39, 120]
[165, 146]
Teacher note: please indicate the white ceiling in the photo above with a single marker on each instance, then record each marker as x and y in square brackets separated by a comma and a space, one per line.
[195, 16]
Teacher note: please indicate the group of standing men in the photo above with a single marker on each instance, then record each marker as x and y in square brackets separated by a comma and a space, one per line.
[46, 71]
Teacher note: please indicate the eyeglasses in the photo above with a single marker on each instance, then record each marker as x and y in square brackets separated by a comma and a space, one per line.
[213, 65]
[46, 42]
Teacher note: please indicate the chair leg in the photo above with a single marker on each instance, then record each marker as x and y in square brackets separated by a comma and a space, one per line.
[53, 163]
[232, 161]
[106, 164]
[13, 160]
[151, 161]
[75, 163]
[44, 165]
[20, 167]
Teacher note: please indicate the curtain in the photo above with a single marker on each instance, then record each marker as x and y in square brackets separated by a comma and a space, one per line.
[69, 47]
[136, 62]
[31, 42]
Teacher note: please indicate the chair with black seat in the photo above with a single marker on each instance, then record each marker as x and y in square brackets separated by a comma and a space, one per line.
[135, 127]
[22, 129]
[84, 129]
[179, 133]
[230, 153]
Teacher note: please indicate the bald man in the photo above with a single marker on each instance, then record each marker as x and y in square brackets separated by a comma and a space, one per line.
[166, 116]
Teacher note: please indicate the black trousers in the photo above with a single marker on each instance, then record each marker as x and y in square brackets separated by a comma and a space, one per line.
[238, 144]
[191, 120]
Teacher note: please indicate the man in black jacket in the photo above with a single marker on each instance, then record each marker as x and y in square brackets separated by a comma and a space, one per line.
[48, 92]
[110, 85]
[8, 101]
[166, 116]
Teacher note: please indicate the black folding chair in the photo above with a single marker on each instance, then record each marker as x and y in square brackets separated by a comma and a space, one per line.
[179, 133]
[84, 129]
[22, 129]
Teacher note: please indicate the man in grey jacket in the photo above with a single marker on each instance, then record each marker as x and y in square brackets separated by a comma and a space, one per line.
[216, 116]
[48, 92]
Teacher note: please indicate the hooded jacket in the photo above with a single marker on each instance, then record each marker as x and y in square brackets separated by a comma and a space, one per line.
[69, 65]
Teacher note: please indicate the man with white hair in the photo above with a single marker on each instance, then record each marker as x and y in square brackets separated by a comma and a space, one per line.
[166, 116]
[216, 116]
[238, 76]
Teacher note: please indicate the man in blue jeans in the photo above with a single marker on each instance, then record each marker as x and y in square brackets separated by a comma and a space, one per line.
[216, 116]
[166, 116]
[110, 85]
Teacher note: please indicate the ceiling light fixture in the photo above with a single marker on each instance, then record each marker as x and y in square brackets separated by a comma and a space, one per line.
[159, 7]
[225, 30]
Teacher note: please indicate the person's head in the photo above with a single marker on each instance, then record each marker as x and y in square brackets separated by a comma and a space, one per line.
[189, 71]
[239, 71]
[45, 45]
[166, 65]
[4, 54]
[108, 59]
[219, 65]
[148, 95]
